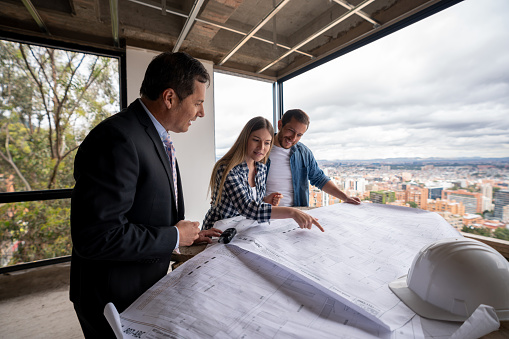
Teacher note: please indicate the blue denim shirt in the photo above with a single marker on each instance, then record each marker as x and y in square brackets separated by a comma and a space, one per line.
[304, 169]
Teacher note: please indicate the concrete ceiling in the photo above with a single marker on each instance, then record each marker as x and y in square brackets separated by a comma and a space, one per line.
[268, 39]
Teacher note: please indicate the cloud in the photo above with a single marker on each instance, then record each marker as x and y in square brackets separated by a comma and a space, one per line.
[438, 88]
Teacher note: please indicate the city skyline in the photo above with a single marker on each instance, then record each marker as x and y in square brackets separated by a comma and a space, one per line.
[438, 88]
[471, 194]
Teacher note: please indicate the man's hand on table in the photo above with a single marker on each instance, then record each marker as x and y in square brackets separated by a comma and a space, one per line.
[206, 235]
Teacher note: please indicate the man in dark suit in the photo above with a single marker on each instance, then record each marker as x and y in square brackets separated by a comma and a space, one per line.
[127, 207]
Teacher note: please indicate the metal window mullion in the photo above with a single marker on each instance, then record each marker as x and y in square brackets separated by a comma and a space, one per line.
[189, 23]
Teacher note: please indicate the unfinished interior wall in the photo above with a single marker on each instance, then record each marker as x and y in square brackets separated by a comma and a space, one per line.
[195, 148]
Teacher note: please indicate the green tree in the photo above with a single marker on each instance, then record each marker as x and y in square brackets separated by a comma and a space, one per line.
[49, 100]
[473, 188]
[501, 233]
[413, 204]
[484, 231]
[36, 230]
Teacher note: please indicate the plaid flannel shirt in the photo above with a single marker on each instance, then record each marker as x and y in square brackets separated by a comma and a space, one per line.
[237, 197]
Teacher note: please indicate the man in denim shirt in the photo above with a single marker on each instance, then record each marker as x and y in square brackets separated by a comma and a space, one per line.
[292, 165]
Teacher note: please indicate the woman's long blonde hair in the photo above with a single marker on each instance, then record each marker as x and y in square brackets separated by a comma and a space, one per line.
[237, 153]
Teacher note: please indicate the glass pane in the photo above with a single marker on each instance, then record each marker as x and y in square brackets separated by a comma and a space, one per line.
[437, 88]
[49, 100]
[236, 101]
[34, 230]
[418, 118]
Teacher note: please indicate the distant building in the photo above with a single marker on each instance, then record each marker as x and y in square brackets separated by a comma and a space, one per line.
[505, 214]
[418, 195]
[443, 206]
[406, 176]
[382, 197]
[472, 219]
[488, 181]
[435, 192]
[501, 200]
[372, 187]
[476, 221]
[487, 204]
[487, 191]
[487, 201]
[325, 198]
[360, 185]
[453, 219]
[315, 197]
[471, 201]
[355, 184]
[463, 183]
[401, 195]
[493, 224]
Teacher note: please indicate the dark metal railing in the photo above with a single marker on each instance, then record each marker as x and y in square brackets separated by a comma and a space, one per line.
[35, 195]
[34, 264]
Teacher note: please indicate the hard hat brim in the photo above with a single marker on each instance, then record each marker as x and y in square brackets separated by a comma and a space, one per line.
[419, 306]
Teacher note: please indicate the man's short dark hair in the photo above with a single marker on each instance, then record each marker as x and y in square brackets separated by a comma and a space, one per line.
[177, 71]
[297, 114]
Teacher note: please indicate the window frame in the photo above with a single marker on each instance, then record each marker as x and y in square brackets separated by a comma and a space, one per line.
[58, 194]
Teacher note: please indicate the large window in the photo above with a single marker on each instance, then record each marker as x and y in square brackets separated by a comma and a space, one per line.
[419, 118]
[438, 88]
[49, 100]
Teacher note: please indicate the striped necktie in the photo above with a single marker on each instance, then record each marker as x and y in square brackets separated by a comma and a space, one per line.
[170, 150]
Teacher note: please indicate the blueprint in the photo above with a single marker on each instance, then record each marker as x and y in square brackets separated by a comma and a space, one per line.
[363, 249]
[275, 280]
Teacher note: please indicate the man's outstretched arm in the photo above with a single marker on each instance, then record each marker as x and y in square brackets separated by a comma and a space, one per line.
[332, 189]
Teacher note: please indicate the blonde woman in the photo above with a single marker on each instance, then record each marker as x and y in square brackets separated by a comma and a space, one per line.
[238, 180]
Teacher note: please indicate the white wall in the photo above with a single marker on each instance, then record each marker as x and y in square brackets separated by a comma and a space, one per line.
[195, 148]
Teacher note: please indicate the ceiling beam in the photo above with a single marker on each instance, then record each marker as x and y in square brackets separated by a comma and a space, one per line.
[319, 32]
[114, 21]
[362, 14]
[222, 26]
[35, 15]
[253, 31]
[218, 25]
[189, 23]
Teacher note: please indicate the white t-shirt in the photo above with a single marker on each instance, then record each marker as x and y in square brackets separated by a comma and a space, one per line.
[253, 190]
[279, 178]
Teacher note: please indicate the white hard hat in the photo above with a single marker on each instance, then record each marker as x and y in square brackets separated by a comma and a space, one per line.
[451, 277]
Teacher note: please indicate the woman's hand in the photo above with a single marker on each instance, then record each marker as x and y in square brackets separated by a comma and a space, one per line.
[273, 198]
[206, 235]
[304, 220]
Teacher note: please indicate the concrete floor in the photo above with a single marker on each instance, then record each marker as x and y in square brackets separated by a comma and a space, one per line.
[35, 304]
[40, 315]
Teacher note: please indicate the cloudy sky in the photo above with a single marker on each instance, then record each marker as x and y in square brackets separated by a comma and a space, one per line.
[438, 88]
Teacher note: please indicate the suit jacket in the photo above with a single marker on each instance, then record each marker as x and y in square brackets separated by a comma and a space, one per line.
[123, 211]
